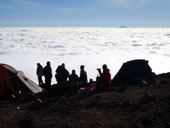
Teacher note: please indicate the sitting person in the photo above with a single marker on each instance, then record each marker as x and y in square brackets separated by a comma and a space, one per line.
[73, 80]
[105, 77]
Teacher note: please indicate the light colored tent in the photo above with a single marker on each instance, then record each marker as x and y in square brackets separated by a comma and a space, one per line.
[12, 81]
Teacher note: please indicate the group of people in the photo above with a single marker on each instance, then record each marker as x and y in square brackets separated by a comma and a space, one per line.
[63, 77]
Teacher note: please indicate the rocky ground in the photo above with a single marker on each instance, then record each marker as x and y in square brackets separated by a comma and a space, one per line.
[122, 106]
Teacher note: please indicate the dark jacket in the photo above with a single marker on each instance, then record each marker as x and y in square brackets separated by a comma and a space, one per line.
[47, 72]
[62, 74]
[73, 79]
[39, 71]
[106, 77]
[83, 76]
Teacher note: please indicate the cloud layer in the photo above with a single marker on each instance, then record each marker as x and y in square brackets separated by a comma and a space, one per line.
[22, 48]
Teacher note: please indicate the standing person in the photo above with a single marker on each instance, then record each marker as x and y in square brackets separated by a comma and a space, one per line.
[48, 75]
[105, 76]
[83, 76]
[61, 74]
[39, 73]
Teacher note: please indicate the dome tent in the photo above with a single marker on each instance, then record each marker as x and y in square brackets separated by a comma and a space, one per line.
[134, 70]
[12, 81]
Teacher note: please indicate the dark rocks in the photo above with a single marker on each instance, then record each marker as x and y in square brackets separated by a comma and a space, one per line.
[121, 89]
[146, 99]
[146, 122]
[25, 123]
[118, 107]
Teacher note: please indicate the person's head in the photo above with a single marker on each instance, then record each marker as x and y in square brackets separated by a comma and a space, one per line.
[73, 71]
[38, 64]
[63, 65]
[82, 67]
[104, 67]
[48, 63]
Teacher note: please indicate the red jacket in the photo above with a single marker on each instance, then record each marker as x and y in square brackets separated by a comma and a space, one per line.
[106, 77]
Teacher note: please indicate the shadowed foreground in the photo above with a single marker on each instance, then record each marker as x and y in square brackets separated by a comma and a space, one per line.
[140, 106]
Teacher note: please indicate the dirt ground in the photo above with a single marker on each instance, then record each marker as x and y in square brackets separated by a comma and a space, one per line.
[121, 106]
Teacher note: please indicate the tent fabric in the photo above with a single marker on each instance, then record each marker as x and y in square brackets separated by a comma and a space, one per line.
[5, 82]
[134, 70]
[12, 81]
[30, 84]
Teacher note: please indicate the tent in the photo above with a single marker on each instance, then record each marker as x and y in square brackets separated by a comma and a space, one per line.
[133, 71]
[12, 81]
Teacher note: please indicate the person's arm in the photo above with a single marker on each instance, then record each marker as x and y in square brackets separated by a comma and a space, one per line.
[99, 70]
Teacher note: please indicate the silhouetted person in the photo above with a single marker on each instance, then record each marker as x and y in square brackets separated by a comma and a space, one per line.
[39, 73]
[48, 75]
[73, 79]
[105, 76]
[61, 74]
[83, 76]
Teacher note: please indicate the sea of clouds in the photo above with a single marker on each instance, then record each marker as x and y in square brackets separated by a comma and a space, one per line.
[24, 47]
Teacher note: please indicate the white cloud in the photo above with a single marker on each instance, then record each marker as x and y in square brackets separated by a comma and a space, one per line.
[22, 48]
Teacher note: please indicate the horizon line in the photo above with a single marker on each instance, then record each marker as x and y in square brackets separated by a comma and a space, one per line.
[69, 26]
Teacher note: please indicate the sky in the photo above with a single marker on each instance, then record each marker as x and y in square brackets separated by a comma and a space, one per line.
[84, 13]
